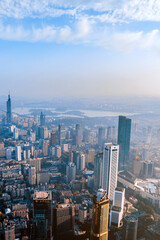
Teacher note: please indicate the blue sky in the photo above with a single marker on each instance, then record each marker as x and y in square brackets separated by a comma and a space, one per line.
[80, 48]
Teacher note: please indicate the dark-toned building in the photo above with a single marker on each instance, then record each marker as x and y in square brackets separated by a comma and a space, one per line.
[53, 138]
[99, 228]
[42, 216]
[61, 133]
[42, 120]
[63, 219]
[130, 226]
[98, 162]
[124, 134]
[9, 113]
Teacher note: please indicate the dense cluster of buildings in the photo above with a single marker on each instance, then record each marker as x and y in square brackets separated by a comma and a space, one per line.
[73, 182]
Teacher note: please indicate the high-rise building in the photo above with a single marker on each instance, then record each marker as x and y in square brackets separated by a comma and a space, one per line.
[9, 113]
[130, 226]
[99, 227]
[42, 216]
[61, 133]
[15, 133]
[110, 168]
[124, 134]
[32, 175]
[53, 138]
[116, 213]
[18, 153]
[42, 120]
[58, 151]
[111, 134]
[80, 161]
[101, 136]
[63, 219]
[90, 155]
[79, 135]
[45, 147]
[98, 170]
[70, 172]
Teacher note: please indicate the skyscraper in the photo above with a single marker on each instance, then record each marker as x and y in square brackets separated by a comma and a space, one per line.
[116, 212]
[110, 168]
[18, 153]
[99, 228]
[61, 133]
[98, 169]
[9, 113]
[101, 136]
[42, 119]
[130, 226]
[78, 134]
[124, 134]
[32, 175]
[42, 216]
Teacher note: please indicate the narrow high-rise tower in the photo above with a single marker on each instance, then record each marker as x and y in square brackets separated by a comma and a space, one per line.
[110, 168]
[9, 113]
[124, 134]
[99, 228]
[42, 119]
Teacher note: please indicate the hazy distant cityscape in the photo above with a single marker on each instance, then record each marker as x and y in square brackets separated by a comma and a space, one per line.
[79, 173]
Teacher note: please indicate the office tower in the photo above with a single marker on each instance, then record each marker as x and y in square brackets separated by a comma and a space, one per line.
[1, 145]
[98, 170]
[61, 133]
[86, 135]
[9, 113]
[27, 152]
[15, 133]
[99, 227]
[42, 120]
[80, 161]
[130, 225]
[111, 134]
[32, 175]
[110, 168]
[58, 151]
[70, 172]
[79, 135]
[53, 138]
[116, 213]
[42, 216]
[90, 155]
[44, 132]
[101, 136]
[147, 169]
[63, 219]
[45, 147]
[18, 153]
[124, 134]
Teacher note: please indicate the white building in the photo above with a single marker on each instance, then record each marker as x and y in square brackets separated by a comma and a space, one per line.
[32, 175]
[110, 168]
[15, 133]
[116, 213]
[18, 153]
[8, 153]
[58, 151]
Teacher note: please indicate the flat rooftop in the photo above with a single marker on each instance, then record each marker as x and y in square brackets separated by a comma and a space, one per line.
[42, 195]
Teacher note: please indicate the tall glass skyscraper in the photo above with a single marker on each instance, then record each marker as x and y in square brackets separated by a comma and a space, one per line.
[124, 135]
[9, 114]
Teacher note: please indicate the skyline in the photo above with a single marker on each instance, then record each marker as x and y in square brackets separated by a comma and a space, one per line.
[83, 49]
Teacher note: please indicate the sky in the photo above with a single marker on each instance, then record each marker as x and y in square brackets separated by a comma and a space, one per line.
[92, 48]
